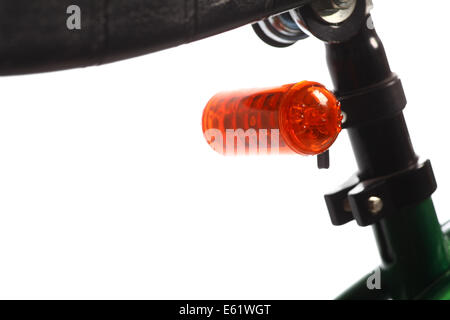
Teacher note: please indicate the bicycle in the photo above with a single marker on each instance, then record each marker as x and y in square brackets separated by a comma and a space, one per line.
[392, 190]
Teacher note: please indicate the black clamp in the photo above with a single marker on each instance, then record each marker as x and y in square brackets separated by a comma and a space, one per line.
[369, 201]
[382, 100]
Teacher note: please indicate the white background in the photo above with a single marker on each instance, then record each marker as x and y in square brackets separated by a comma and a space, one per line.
[108, 189]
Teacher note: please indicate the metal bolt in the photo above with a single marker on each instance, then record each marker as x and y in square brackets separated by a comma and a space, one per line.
[344, 117]
[375, 205]
[334, 11]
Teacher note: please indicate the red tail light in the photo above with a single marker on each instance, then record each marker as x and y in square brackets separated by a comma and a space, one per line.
[303, 118]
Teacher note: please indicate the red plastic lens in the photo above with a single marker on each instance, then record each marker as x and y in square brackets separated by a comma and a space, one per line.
[303, 118]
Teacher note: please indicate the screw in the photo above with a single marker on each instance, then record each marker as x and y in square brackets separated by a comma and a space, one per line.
[334, 11]
[375, 205]
[344, 117]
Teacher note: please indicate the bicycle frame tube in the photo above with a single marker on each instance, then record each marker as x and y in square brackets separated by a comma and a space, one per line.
[415, 256]
[413, 250]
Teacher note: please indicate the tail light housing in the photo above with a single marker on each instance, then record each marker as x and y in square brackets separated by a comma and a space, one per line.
[303, 118]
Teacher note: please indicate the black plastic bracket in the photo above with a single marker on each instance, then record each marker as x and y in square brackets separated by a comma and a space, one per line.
[323, 160]
[380, 101]
[369, 201]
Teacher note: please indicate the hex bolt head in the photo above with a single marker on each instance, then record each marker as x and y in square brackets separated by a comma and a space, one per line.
[375, 205]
